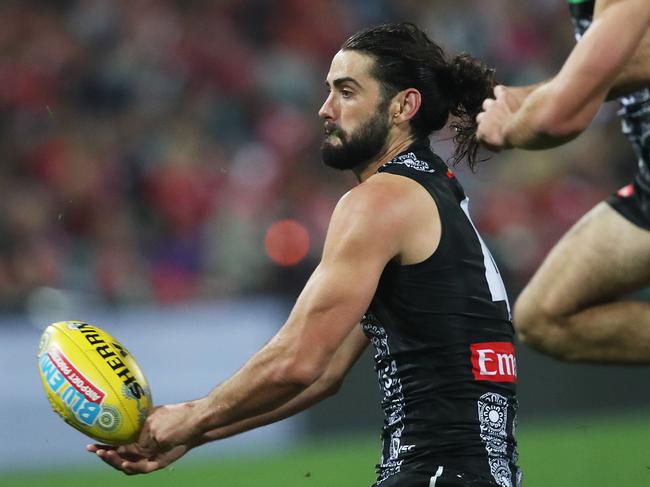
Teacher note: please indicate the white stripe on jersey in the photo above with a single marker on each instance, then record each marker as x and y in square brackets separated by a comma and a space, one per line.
[492, 275]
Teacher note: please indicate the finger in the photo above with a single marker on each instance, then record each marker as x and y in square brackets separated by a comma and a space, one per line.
[480, 117]
[129, 468]
[508, 101]
[111, 458]
[487, 103]
[94, 447]
[114, 459]
[499, 91]
[142, 466]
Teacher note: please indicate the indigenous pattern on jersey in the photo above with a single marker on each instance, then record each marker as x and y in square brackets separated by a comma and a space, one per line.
[633, 201]
[445, 358]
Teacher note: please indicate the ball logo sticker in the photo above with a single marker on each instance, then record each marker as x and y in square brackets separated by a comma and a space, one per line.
[494, 361]
[110, 419]
[80, 395]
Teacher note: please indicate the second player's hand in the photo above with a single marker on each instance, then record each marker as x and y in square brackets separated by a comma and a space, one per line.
[491, 121]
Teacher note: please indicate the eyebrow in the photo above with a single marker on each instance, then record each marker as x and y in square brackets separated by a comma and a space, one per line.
[339, 81]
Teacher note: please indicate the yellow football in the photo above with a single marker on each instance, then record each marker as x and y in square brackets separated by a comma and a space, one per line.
[93, 382]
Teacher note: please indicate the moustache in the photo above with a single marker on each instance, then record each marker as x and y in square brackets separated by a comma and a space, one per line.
[333, 129]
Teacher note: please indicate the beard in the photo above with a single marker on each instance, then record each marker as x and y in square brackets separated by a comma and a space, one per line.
[356, 149]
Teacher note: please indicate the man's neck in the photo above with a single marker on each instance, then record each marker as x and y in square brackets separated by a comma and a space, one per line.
[385, 156]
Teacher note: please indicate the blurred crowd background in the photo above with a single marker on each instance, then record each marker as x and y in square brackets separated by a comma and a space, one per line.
[148, 146]
[160, 166]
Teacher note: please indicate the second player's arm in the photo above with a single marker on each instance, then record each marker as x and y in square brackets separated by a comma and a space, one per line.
[559, 110]
[636, 73]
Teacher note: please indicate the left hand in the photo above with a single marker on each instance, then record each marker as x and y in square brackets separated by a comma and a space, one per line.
[132, 460]
[496, 114]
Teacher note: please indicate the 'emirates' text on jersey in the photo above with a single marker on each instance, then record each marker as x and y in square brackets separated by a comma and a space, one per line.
[444, 345]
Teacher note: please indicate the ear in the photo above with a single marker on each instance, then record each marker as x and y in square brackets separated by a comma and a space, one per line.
[405, 105]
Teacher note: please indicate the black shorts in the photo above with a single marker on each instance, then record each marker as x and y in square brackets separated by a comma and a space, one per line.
[441, 477]
[633, 203]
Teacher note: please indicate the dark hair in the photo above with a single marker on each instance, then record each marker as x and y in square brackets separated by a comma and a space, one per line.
[405, 57]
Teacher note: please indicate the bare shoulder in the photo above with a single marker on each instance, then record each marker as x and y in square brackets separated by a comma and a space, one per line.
[396, 199]
[388, 215]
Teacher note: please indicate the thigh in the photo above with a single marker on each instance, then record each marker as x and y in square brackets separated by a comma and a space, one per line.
[602, 257]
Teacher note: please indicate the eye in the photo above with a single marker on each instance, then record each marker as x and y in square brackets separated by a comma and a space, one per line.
[345, 93]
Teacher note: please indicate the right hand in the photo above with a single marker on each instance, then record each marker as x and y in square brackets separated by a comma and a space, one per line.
[514, 96]
[496, 114]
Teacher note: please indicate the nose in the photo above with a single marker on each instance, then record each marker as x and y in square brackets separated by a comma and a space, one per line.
[326, 112]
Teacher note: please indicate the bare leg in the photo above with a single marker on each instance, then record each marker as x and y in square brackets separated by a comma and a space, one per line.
[570, 308]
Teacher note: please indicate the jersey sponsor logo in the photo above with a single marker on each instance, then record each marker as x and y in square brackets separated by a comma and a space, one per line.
[494, 361]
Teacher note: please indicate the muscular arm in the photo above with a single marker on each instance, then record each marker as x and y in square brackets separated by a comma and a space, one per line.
[134, 459]
[636, 73]
[327, 385]
[634, 76]
[357, 248]
[557, 111]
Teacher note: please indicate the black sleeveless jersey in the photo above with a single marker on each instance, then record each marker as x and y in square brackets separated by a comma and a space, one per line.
[635, 108]
[444, 346]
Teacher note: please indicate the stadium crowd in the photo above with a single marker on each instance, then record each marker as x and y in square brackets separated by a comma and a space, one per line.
[147, 146]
